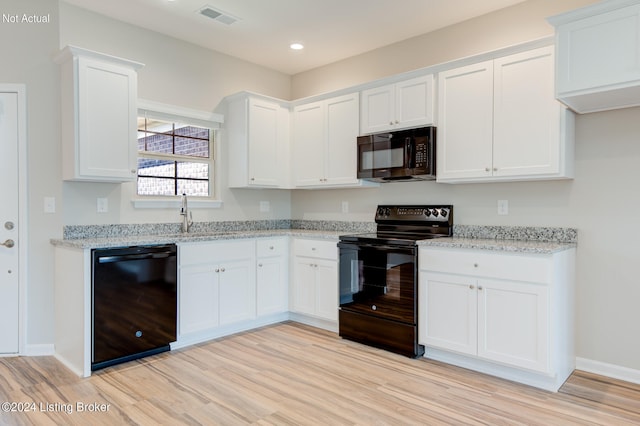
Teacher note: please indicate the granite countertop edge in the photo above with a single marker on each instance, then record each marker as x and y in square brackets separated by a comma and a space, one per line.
[505, 245]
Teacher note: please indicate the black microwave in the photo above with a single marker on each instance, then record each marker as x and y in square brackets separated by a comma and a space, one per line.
[398, 156]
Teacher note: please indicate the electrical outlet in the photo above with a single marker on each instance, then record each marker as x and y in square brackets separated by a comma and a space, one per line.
[49, 204]
[265, 206]
[345, 207]
[102, 205]
[503, 207]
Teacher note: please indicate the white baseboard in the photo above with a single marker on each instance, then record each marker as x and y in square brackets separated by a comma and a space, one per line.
[39, 350]
[609, 370]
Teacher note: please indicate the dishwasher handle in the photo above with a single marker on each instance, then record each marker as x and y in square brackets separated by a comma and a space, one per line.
[124, 258]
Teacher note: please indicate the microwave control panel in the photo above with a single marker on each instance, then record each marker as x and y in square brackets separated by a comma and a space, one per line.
[421, 155]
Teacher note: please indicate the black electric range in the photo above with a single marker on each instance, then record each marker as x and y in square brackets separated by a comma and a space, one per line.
[379, 276]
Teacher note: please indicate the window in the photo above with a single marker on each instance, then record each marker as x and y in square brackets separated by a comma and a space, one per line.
[174, 158]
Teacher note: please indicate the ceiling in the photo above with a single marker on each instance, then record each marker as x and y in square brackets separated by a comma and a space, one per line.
[331, 30]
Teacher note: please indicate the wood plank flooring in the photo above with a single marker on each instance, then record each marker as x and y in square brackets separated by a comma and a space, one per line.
[291, 374]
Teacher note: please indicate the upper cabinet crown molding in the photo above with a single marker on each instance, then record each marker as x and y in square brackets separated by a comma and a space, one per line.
[99, 116]
[598, 56]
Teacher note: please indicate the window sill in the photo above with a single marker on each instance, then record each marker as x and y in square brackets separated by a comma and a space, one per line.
[158, 203]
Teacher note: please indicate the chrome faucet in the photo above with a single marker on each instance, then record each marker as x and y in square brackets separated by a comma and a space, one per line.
[187, 217]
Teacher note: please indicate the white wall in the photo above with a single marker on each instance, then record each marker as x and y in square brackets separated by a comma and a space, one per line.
[602, 201]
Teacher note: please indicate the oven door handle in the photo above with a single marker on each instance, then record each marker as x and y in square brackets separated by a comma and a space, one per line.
[377, 247]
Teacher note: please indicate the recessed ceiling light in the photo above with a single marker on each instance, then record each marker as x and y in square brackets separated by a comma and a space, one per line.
[296, 46]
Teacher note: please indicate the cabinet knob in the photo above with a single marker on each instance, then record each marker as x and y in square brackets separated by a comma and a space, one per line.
[391, 123]
[271, 247]
[313, 249]
[252, 179]
[479, 287]
[487, 169]
[397, 122]
[471, 286]
[217, 270]
[475, 265]
[259, 265]
[495, 169]
[134, 171]
[221, 269]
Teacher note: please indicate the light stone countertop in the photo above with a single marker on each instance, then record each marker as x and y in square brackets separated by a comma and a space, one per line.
[144, 240]
[518, 239]
[514, 246]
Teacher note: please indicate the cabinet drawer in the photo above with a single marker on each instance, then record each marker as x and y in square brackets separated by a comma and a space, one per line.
[315, 248]
[214, 252]
[271, 247]
[520, 267]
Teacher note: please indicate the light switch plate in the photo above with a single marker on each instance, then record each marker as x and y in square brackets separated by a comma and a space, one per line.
[102, 205]
[49, 204]
[503, 207]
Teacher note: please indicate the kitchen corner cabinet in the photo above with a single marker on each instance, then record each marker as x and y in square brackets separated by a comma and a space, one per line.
[509, 315]
[257, 133]
[314, 289]
[325, 134]
[272, 276]
[598, 61]
[99, 116]
[402, 105]
[498, 120]
[216, 285]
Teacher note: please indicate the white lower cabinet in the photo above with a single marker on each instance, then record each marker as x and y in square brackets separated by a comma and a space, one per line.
[314, 288]
[510, 315]
[217, 285]
[272, 276]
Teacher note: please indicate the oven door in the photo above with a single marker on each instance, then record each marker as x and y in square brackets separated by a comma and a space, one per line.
[379, 280]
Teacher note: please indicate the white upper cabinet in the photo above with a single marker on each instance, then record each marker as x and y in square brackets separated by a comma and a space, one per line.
[397, 106]
[598, 60]
[325, 142]
[498, 120]
[257, 133]
[99, 116]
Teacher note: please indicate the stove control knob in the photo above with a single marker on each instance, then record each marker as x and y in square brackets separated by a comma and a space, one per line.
[387, 211]
[380, 211]
[435, 213]
[427, 212]
[444, 212]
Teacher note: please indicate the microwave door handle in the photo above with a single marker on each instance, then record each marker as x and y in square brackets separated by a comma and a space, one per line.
[410, 153]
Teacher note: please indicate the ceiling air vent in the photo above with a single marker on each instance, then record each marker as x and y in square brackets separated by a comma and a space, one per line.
[217, 15]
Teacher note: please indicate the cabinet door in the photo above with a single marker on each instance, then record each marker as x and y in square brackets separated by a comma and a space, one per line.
[526, 135]
[264, 135]
[414, 102]
[448, 315]
[465, 127]
[106, 122]
[342, 132]
[326, 291]
[198, 299]
[271, 285]
[304, 286]
[309, 144]
[599, 51]
[237, 291]
[513, 324]
[377, 113]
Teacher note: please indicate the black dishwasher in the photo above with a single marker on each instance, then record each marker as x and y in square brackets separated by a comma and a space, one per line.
[134, 303]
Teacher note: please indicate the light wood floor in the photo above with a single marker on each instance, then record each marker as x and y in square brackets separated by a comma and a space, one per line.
[290, 374]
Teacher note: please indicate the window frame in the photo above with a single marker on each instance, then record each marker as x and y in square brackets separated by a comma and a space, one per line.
[170, 113]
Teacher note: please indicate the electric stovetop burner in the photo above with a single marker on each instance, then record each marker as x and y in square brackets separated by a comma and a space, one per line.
[404, 225]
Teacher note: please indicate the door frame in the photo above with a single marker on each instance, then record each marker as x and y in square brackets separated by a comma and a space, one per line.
[20, 90]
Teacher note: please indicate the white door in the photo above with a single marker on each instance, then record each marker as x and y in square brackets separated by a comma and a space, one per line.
[342, 131]
[9, 211]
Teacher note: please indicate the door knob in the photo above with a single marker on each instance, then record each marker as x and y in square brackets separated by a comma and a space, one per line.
[9, 243]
